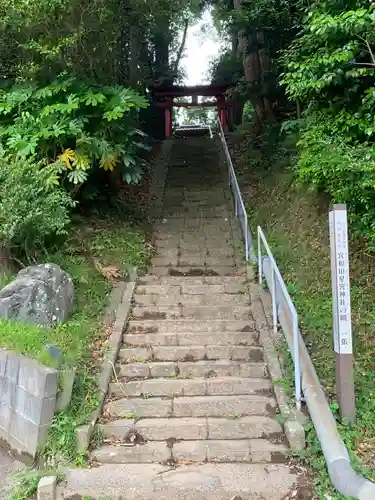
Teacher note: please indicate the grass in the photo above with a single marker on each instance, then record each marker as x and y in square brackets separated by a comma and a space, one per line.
[296, 226]
[98, 251]
[27, 483]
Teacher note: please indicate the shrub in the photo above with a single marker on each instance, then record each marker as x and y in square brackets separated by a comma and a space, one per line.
[343, 170]
[31, 210]
[74, 126]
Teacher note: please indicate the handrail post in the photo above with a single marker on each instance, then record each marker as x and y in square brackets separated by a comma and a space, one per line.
[260, 270]
[273, 295]
[246, 238]
[297, 371]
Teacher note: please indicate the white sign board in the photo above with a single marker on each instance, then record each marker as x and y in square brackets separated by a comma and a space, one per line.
[342, 325]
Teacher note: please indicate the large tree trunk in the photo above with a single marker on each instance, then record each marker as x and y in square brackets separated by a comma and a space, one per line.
[134, 57]
[252, 50]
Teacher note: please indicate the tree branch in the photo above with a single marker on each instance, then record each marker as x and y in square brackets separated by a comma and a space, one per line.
[181, 49]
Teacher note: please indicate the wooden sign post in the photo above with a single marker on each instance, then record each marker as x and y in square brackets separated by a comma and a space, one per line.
[342, 326]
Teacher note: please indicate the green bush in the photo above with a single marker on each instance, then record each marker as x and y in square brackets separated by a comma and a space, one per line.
[343, 170]
[31, 211]
[74, 126]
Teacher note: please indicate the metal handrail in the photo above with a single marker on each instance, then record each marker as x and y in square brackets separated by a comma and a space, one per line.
[240, 209]
[276, 276]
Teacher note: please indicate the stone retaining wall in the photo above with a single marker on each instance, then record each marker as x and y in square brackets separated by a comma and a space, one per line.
[27, 401]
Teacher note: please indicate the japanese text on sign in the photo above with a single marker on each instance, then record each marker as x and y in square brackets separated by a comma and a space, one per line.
[340, 281]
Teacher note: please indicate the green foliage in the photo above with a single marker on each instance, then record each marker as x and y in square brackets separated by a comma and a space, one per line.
[296, 227]
[226, 69]
[31, 211]
[333, 51]
[26, 482]
[345, 171]
[329, 67]
[112, 246]
[102, 40]
[74, 126]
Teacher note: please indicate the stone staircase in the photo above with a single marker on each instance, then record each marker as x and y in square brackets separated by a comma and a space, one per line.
[192, 410]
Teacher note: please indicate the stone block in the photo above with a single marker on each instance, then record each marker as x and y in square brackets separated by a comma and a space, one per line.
[166, 261]
[235, 288]
[228, 451]
[65, 395]
[217, 406]
[5, 416]
[147, 453]
[133, 370]
[47, 488]
[28, 433]
[145, 339]
[118, 429]
[160, 290]
[195, 451]
[166, 369]
[38, 411]
[219, 352]
[130, 408]
[3, 361]
[295, 434]
[244, 353]
[243, 428]
[37, 379]
[12, 367]
[139, 354]
[156, 312]
[8, 391]
[83, 437]
[222, 368]
[174, 387]
[263, 451]
[163, 429]
[202, 289]
[179, 353]
[238, 385]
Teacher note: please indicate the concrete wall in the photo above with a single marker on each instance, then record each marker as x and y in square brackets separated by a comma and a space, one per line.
[27, 401]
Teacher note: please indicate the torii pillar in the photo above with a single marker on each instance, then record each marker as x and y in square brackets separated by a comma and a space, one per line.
[222, 111]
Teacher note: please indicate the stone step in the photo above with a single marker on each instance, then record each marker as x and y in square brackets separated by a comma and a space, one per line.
[192, 406]
[165, 387]
[197, 271]
[196, 312]
[187, 290]
[227, 451]
[187, 369]
[223, 406]
[175, 299]
[190, 312]
[191, 326]
[190, 353]
[216, 481]
[193, 429]
[150, 279]
[219, 451]
[189, 262]
[191, 339]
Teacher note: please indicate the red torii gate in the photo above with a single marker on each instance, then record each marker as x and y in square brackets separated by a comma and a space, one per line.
[164, 97]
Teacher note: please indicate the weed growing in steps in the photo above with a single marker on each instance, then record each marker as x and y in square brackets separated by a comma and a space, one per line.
[27, 482]
[296, 226]
[79, 337]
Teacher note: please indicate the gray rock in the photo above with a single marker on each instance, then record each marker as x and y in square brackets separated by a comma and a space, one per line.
[42, 294]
